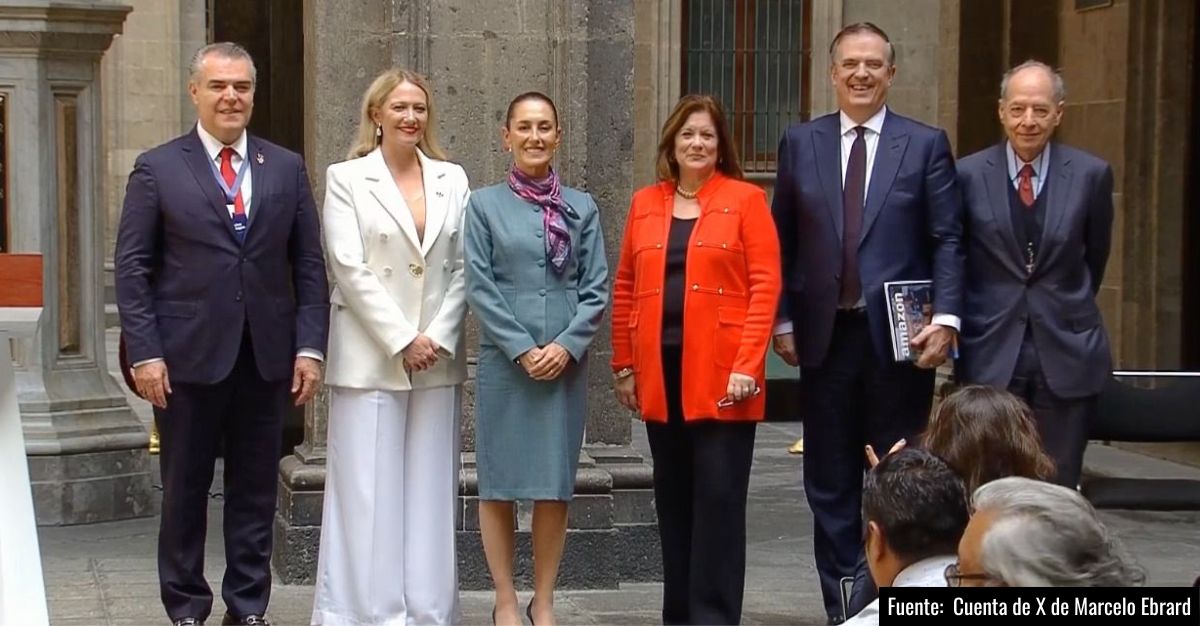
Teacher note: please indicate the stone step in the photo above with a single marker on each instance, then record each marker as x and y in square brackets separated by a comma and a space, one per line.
[112, 319]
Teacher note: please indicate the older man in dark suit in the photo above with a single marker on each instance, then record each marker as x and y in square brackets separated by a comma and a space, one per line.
[863, 196]
[1039, 228]
[224, 310]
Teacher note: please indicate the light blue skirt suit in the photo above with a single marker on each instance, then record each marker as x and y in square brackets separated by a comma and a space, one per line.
[527, 432]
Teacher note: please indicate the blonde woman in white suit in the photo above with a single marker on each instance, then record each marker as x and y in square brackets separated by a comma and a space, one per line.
[396, 363]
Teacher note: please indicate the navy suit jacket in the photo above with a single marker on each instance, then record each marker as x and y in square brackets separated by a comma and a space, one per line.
[1057, 302]
[186, 288]
[912, 226]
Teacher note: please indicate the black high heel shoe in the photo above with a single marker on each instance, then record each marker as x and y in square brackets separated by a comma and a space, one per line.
[529, 612]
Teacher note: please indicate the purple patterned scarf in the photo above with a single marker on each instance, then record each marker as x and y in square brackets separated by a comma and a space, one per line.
[547, 194]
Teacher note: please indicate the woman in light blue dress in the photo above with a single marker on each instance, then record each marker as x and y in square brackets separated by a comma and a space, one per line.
[537, 280]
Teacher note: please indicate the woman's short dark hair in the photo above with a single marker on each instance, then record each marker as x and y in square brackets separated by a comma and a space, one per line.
[984, 434]
[727, 158]
[529, 95]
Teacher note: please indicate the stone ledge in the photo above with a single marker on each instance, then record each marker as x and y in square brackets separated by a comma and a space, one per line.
[93, 487]
[612, 535]
[589, 561]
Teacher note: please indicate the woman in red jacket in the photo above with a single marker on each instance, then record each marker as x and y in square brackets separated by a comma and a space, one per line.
[693, 306]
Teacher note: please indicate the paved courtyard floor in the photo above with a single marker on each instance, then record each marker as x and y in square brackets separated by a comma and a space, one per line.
[104, 574]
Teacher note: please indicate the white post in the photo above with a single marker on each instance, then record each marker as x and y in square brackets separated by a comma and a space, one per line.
[22, 591]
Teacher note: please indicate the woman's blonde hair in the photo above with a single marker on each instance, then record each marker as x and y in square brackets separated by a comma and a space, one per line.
[365, 140]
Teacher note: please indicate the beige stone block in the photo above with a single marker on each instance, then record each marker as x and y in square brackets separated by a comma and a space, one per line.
[1091, 40]
[499, 18]
[895, 18]
[1104, 133]
[1073, 123]
[1109, 300]
[1114, 274]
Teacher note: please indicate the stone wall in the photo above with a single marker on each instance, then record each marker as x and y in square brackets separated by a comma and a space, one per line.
[915, 28]
[145, 97]
[1134, 114]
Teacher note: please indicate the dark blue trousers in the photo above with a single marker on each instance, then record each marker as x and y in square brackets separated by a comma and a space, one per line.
[853, 399]
[243, 415]
[1062, 422]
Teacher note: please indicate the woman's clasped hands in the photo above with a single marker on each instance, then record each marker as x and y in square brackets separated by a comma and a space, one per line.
[421, 354]
[545, 363]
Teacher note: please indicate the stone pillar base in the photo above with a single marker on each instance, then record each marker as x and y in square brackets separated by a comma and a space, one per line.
[298, 520]
[91, 487]
[612, 533]
[89, 457]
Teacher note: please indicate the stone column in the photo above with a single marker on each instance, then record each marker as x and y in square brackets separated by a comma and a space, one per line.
[87, 450]
[477, 57]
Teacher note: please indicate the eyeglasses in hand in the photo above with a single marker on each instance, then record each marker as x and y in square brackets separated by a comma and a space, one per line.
[726, 402]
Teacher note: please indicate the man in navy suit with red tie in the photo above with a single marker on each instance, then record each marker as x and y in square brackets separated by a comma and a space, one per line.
[224, 311]
[863, 196]
[1039, 220]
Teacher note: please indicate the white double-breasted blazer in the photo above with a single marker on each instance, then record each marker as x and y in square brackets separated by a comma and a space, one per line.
[390, 285]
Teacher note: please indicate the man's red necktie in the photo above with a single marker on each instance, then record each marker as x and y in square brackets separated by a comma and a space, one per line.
[1024, 185]
[239, 209]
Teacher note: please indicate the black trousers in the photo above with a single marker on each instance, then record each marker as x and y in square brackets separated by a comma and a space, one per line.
[245, 415]
[853, 399]
[1062, 422]
[701, 474]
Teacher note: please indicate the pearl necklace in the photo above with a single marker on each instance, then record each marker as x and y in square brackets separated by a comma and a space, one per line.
[690, 195]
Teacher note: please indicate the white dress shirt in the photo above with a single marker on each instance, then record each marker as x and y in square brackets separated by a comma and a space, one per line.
[929, 572]
[213, 147]
[874, 128]
[1040, 164]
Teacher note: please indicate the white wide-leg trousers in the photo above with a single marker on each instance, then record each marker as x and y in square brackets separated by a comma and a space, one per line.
[387, 536]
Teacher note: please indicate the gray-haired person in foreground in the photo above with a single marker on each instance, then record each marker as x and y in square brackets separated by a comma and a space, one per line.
[1027, 533]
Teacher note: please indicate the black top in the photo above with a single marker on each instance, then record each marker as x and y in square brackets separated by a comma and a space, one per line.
[674, 283]
[1027, 222]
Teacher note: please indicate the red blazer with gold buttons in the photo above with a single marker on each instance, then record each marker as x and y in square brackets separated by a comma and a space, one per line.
[732, 281]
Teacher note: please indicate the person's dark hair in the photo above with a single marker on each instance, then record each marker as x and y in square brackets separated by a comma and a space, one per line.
[919, 502]
[984, 434]
[859, 28]
[529, 95]
[727, 159]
